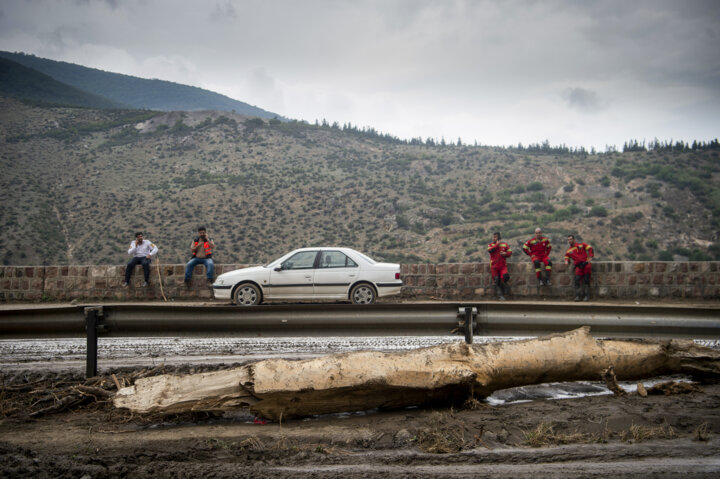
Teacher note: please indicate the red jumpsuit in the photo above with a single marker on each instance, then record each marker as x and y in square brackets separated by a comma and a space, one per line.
[580, 253]
[498, 265]
[539, 252]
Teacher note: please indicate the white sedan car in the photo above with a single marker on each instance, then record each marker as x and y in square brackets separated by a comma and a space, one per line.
[312, 273]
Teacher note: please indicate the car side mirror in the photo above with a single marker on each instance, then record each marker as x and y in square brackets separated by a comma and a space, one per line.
[279, 268]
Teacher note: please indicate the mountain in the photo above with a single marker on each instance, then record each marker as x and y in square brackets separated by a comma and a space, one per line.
[18, 81]
[136, 92]
[77, 183]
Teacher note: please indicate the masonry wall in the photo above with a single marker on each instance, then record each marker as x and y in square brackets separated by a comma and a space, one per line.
[452, 281]
[610, 280]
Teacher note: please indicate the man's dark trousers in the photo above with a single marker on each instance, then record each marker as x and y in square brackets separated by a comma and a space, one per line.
[145, 262]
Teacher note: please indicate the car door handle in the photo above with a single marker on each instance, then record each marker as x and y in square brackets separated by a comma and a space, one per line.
[308, 276]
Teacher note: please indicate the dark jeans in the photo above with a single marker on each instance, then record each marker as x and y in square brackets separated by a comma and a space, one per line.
[145, 262]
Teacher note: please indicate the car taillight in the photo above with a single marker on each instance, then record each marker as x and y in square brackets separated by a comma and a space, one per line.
[397, 275]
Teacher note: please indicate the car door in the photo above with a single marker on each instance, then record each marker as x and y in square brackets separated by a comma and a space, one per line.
[295, 277]
[334, 274]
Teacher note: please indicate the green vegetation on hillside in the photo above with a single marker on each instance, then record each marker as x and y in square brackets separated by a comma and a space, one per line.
[78, 183]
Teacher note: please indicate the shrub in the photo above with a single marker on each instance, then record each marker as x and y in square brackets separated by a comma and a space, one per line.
[636, 246]
[598, 211]
[626, 219]
[535, 186]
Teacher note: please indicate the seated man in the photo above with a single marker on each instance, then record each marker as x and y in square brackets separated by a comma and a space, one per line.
[201, 249]
[499, 252]
[142, 252]
[580, 254]
[538, 248]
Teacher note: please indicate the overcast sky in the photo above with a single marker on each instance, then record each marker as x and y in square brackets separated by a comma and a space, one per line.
[582, 73]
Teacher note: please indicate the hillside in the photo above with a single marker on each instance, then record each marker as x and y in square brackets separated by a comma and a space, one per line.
[77, 184]
[18, 81]
[135, 92]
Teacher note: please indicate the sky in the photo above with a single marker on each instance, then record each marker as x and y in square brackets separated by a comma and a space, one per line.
[579, 73]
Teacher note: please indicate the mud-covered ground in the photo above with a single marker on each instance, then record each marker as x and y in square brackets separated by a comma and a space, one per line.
[57, 424]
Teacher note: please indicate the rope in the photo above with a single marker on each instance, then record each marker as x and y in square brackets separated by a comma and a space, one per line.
[157, 265]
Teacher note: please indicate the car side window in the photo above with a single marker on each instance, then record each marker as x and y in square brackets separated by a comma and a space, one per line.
[336, 259]
[301, 260]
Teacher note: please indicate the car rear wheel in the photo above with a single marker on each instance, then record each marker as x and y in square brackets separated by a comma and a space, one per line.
[247, 294]
[362, 293]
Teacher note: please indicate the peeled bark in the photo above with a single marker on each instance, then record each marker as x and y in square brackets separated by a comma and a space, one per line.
[445, 374]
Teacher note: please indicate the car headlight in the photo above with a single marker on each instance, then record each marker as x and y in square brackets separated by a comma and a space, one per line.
[219, 281]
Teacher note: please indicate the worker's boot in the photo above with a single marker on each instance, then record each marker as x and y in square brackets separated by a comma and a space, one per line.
[587, 292]
[499, 290]
[578, 292]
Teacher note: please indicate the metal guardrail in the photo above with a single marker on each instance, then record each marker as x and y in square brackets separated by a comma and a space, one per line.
[394, 319]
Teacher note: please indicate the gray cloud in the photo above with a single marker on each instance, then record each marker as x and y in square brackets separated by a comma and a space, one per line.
[484, 70]
[223, 11]
[583, 100]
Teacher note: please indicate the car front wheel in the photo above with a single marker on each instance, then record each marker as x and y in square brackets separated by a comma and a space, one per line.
[247, 294]
[362, 294]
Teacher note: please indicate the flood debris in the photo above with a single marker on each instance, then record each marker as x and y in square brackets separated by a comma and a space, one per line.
[608, 375]
[674, 387]
[642, 392]
[438, 375]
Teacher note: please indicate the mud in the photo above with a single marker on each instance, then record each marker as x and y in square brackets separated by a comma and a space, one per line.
[661, 435]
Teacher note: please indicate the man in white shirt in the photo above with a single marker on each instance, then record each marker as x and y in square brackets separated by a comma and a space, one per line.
[142, 252]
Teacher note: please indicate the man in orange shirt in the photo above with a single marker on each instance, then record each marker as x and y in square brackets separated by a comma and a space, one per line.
[202, 250]
[538, 248]
[499, 251]
[581, 254]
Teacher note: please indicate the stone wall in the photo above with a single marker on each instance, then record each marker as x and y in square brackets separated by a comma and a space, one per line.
[83, 283]
[610, 280]
[454, 281]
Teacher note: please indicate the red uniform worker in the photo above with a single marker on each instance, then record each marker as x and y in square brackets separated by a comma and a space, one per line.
[538, 248]
[499, 251]
[581, 255]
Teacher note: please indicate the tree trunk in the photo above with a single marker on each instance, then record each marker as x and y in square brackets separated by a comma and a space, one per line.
[443, 374]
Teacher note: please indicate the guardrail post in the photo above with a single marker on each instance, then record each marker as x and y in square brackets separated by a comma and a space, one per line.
[469, 313]
[92, 318]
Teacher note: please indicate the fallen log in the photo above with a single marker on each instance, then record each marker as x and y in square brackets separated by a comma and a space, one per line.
[443, 374]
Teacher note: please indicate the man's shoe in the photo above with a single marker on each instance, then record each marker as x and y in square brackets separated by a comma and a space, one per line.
[548, 282]
[586, 298]
[540, 283]
[210, 281]
[125, 284]
[145, 283]
[577, 298]
[187, 283]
